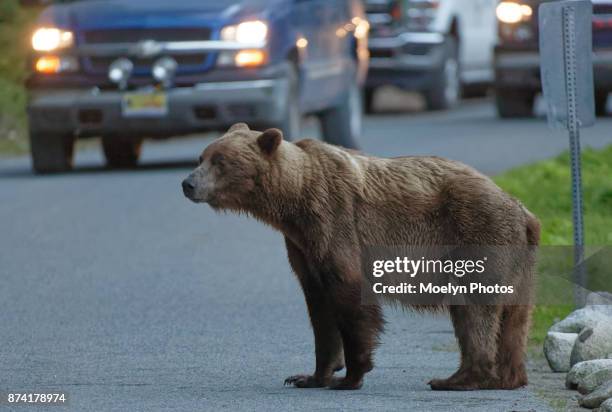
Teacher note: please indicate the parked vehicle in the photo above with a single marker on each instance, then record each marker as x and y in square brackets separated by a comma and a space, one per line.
[432, 46]
[129, 69]
[517, 60]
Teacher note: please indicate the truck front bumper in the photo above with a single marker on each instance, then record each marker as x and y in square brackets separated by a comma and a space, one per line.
[409, 60]
[201, 107]
[521, 69]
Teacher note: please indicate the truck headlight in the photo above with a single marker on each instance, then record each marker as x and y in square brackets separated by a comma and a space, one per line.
[48, 39]
[248, 32]
[512, 12]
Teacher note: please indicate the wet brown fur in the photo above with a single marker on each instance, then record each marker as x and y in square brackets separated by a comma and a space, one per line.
[331, 203]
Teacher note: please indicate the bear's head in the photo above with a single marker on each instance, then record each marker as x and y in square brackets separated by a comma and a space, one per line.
[236, 169]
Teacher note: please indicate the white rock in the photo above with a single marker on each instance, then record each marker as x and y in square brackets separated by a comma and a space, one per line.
[593, 343]
[598, 396]
[581, 370]
[594, 381]
[606, 406]
[558, 349]
[579, 319]
[603, 299]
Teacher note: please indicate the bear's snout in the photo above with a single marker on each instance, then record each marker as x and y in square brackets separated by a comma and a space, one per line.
[189, 187]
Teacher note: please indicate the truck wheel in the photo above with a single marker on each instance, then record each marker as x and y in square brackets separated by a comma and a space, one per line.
[601, 100]
[292, 119]
[342, 124]
[446, 87]
[121, 152]
[51, 153]
[368, 100]
[514, 103]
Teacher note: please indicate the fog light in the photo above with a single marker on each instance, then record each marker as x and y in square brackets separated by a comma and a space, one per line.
[250, 58]
[119, 72]
[48, 64]
[164, 70]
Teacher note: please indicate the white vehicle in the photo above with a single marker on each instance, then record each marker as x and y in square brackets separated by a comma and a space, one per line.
[437, 47]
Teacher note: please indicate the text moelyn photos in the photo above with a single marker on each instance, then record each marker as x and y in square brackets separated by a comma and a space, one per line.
[411, 268]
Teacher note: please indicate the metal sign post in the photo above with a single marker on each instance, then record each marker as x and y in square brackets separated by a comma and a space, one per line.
[567, 82]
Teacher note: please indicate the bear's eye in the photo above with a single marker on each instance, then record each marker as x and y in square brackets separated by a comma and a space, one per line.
[217, 159]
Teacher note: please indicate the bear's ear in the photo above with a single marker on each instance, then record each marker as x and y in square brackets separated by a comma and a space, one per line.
[269, 140]
[238, 126]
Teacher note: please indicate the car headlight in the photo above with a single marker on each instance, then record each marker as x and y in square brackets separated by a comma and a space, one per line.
[513, 12]
[48, 39]
[248, 32]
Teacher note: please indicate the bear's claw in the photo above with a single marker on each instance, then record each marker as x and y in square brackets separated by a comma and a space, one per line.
[304, 381]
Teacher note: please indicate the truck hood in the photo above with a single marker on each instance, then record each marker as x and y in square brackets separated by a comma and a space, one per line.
[85, 14]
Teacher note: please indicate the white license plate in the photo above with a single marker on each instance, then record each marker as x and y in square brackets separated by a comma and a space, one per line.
[145, 104]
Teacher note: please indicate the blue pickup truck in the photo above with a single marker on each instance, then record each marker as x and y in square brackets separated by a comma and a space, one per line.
[125, 70]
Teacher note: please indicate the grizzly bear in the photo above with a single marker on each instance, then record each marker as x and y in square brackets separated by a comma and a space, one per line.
[330, 203]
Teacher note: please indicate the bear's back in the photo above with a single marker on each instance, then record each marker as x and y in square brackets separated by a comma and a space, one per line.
[417, 199]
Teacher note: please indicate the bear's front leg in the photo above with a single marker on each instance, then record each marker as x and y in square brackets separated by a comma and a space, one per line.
[328, 341]
[359, 324]
[359, 327]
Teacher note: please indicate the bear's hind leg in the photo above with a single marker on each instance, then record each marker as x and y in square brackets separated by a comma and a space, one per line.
[476, 329]
[512, 344]
[328, 341]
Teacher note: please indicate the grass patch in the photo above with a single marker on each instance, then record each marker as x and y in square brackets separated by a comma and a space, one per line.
[544, 316]
[544, 187]
[15, 28]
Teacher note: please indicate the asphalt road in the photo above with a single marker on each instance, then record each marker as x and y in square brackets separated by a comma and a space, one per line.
[121, 293]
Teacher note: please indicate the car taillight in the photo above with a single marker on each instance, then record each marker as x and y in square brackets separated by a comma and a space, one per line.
[602, 23]
[396, 11]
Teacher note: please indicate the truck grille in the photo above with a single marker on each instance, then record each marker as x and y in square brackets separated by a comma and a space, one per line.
[189, 63]
[380, 15]
[378, 6]
[138, 35]
[101, 64]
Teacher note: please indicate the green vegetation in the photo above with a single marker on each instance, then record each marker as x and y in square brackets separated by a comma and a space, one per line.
[15, 27]
[544, 187]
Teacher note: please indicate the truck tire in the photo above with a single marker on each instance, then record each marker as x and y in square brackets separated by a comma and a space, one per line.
[514, 103]
[342, 124]
[446, 88]
[51, 153]
[292, 119]
[601, 100]
[121, 153]
[368, 100]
